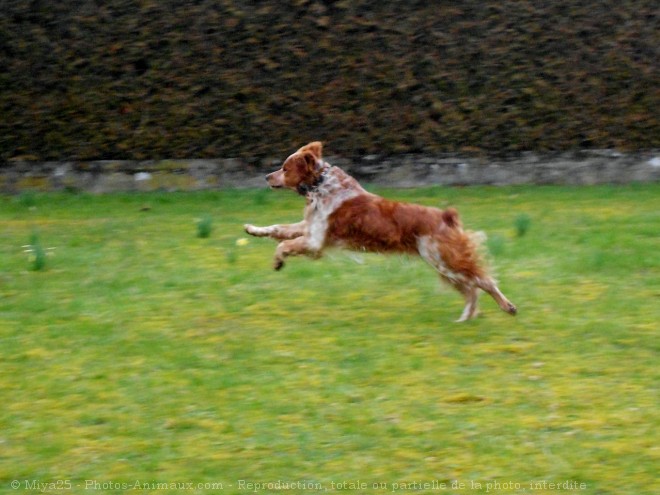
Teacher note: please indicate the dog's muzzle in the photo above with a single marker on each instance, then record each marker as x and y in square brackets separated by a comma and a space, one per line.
[271, 179]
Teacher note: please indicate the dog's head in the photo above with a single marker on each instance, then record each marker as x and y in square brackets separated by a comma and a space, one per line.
[301, 171]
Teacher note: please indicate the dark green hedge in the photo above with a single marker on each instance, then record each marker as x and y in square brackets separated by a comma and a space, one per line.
[85, 79]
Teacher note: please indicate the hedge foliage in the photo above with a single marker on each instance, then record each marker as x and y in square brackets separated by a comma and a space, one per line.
[121, 79]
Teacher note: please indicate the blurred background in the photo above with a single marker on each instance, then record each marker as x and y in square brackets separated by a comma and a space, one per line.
[154, 79]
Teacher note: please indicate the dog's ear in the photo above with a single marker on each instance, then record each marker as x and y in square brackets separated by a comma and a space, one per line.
[311, 161]
[309, 170]
[316, 148]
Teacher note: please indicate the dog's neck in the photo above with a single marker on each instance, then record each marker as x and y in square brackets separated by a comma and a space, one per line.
[307, 189]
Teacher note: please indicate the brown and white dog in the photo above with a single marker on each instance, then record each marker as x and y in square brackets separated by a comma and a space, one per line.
[340, 213]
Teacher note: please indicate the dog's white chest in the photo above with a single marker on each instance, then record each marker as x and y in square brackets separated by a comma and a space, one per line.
[323, 202]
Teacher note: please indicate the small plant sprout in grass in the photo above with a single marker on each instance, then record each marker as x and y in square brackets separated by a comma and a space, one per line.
[522, 223]
[262, 197]
[231, 255]
[36, 253]
[232, 252]
[496, 245]
[27, 199]
[204, 227]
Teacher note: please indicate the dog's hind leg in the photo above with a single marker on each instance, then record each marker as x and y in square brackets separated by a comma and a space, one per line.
[471, 294]
[429, 250]
[488, 284]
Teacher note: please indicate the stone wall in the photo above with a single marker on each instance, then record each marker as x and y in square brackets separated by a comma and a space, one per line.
[574, 168]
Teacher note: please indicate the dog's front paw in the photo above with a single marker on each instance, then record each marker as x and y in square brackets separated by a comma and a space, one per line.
[252, 230]
[278, 264]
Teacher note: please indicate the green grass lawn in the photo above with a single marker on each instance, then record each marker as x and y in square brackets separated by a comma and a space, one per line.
[140, 352]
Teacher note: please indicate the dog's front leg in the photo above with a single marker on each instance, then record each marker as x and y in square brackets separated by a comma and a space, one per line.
[279, 232]
[293, 247]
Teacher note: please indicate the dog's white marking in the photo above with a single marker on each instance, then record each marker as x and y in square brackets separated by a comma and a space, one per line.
[325, 200]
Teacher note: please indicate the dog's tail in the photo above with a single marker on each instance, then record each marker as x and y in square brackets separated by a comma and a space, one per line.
[473, 244]
[451, 219]
[461, 250]
[479, 240]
